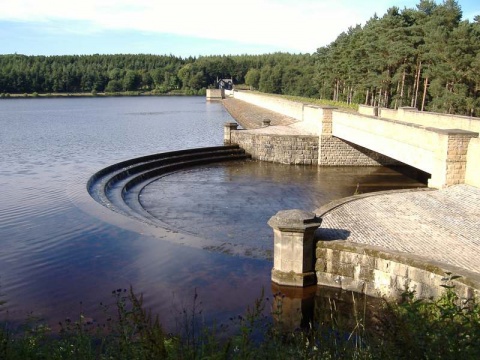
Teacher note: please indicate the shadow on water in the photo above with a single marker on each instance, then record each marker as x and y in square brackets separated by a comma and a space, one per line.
[231, 204]
[327, 307]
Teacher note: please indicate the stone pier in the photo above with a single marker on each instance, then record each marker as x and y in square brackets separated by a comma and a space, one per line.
[215, 94]
[227, 132]
[294, 247]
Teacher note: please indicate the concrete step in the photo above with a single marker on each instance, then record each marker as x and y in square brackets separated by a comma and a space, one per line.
[117, 186]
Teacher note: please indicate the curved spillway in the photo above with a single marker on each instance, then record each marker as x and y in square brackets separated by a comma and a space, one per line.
[118, 186]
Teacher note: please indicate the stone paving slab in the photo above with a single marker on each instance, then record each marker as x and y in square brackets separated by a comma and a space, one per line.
[442, 225]
[251, 117]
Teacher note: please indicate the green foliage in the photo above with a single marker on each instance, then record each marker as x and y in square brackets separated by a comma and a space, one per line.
[114, 86]
[423, 57]
[426, 57]
[252, 78]
[446, 328]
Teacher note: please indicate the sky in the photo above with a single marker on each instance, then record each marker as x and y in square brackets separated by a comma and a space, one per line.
[185, 27]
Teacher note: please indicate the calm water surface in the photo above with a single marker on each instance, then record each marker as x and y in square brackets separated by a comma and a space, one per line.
[62, 253]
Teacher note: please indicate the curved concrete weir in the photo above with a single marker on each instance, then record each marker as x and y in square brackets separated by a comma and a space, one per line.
[118, 186]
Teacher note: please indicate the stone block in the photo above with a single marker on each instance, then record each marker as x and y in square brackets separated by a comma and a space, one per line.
[328, 279]
[364, 273]
[351, 284]
[383, 282]
[347, 270]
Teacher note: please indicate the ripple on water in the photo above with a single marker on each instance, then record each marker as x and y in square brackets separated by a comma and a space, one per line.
[58, 247]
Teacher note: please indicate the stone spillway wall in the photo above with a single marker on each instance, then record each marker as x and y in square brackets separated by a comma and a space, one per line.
[296, 133]
[284, 149]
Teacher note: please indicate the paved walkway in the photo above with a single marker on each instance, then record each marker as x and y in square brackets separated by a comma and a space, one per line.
[251, 117]
[443, 225]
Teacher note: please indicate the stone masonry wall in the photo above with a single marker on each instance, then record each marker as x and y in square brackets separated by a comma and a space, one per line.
[376, 272]
[457, 157]
[337, 152]
[284, 149]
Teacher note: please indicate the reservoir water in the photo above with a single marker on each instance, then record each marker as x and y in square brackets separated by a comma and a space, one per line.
[61, 253]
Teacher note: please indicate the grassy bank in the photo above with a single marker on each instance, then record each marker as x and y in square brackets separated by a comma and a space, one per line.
[447, 328]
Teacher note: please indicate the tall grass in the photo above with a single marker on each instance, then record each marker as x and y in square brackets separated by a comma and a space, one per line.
[446, 328]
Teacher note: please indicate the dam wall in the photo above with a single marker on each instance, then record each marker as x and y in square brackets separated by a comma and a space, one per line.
[437, 144]
[319, 147]
[292, 109]
[283, 149]
[430, 119]
[472, 173]
[386, 273]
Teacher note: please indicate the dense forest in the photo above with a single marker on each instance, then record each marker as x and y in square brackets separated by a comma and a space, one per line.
[426, 57]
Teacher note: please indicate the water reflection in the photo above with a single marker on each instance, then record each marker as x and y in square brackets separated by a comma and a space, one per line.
[327, 307]
[58, 247]
[231, 203]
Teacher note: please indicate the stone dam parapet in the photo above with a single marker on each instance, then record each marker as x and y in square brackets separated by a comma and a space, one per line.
[370, 137]
[283, 149]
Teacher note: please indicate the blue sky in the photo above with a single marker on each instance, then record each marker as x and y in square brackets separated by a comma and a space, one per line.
[184, 27]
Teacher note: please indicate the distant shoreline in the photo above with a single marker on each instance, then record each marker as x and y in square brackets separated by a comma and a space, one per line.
[93, 95]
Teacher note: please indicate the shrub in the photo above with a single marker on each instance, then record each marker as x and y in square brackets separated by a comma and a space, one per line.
[446, 328]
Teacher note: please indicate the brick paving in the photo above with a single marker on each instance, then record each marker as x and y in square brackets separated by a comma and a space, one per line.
[442, 225]
[251, 117]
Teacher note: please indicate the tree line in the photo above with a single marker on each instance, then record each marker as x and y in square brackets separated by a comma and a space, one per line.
[161, 74]
[426, 57]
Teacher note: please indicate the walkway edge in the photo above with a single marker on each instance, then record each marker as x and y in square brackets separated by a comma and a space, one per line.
[321, 211]
[378, 271]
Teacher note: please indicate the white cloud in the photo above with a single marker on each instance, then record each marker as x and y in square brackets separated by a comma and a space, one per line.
[299, 25]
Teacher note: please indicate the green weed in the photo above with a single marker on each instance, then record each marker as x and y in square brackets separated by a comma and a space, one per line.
[445, 328]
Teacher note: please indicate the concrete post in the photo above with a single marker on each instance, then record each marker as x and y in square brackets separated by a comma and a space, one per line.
[215, 94]
[227, 132]
[294, 247]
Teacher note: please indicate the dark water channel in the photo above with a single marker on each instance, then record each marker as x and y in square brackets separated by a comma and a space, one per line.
[62, 253]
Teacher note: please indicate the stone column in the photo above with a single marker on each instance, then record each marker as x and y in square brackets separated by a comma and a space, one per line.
[294, 247]
[450, 159]
[227, 132]
[326, 142]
